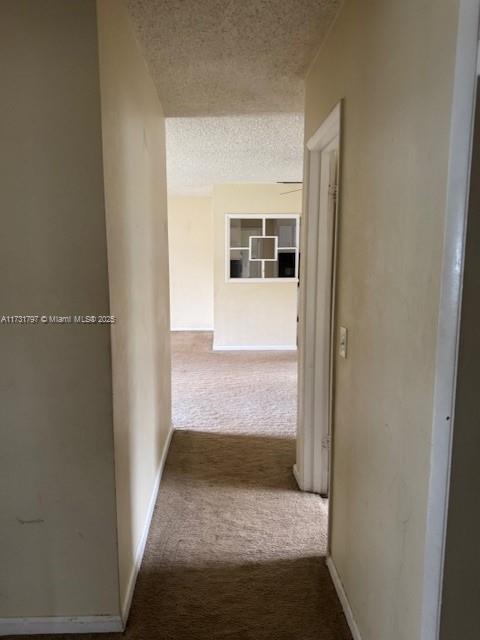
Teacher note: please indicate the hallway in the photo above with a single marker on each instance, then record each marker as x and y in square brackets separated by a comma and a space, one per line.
[234, 549]
[279, 173]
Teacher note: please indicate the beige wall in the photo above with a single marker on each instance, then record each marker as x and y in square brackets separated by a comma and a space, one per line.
[135, 191]
[252, 314]
[58, 512]
[190, 240]
[392, 63]
[57, 495]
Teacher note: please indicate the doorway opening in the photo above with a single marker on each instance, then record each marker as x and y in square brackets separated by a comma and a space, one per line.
[235, 413]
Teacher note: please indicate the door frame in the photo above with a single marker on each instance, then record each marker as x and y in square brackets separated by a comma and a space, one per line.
[311, 439]
[458, 180]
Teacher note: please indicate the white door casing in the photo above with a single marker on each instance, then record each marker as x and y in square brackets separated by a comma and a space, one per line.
[316, 307]
[461, 136]
[322, 400]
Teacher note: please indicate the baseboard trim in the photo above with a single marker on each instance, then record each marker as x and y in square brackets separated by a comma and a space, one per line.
[57, 624]
[296, 475]
[342, 596]
[143, 540]
[260, 347]
[206, 329]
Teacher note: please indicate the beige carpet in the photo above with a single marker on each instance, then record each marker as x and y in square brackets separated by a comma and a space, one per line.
[236, 391]
[235, 551]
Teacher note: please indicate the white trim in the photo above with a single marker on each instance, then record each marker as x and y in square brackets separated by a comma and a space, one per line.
[342, 596]
[316, 327]
[143, 540]
[257, 280]
[261, 215]
[60, 624]
[260, 347]
[209, 329]
[275, 249]
[329, 129]
[297, 242]
[297, 477]
[461, 134]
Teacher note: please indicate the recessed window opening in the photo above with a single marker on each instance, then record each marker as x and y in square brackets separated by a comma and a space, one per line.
[262, 248]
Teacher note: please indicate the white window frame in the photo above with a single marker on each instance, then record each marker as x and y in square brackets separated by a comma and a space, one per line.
[264, 217]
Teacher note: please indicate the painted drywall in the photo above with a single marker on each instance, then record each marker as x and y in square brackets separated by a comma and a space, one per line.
[250, 314]
[136, 208]
[461, 588]
[392, 63]
[57, 494]
[190, 243]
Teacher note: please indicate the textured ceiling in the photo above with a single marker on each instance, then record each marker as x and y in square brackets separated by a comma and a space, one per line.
[230, 75]
[202, 152]
[226, 57]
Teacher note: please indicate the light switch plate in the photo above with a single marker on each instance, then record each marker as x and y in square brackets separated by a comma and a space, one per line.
[343, 342]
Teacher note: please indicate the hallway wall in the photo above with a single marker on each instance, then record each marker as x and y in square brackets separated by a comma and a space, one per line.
[190, 242]
[246, 313]
[136, 208]
[392, 63]
[57, 494]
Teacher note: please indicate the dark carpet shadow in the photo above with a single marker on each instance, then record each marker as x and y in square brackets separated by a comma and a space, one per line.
[232, 459]
[282, 600]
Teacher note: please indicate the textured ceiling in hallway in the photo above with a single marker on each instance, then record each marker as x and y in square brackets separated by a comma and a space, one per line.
[202, 152]
[226, 57]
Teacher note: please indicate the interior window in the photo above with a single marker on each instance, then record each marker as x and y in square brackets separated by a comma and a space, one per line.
[262, 247]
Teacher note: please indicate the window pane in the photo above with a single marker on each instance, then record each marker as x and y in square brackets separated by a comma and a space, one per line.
[271, 269]
[286, 263]
[284, 228]
[263, 249]
[242, 267]
[242, 228]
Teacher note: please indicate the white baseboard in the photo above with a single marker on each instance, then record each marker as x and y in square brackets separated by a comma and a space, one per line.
[65, 624]
[296, 475]
[342, 596]
[260, 347]
[206, 329]
[143, 540]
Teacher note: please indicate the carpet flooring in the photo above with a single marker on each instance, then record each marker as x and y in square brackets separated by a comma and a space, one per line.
[251, 392]
[235, 550]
